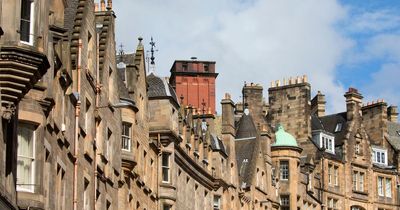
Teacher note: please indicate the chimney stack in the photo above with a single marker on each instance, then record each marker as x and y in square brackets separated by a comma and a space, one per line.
[109, 4]
[353, 103]
[318, 105]
[102, 5]
[393, 113]
[228, 117]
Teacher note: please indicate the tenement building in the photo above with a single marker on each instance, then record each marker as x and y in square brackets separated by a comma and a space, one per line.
[85, 128]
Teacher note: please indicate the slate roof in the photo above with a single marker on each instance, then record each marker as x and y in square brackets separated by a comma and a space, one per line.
[217, 144]
[394, 134]
[126, 58]
[159, 87]
[328, 123]
[246, 127]
[246, 148]
[244, 155]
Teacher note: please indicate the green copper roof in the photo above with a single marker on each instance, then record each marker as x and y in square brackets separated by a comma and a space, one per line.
[283, 138]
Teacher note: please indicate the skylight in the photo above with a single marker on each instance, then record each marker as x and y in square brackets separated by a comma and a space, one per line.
[338, 127]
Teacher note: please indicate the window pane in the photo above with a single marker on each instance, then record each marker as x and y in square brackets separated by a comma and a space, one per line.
[380, 186]
[26, 153]
[361, 181]
[388, 187]
[284, 169]
[25, 20]
[165, 167]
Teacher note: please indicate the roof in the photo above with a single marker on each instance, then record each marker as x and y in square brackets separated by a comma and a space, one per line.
[284, 138]
[244, 155]
[329, 122]
[159, 88]
[217, 144]
[246, 127]
[125, 58]
[394, 134]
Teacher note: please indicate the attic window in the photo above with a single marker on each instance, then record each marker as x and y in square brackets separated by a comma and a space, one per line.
[338, 127]
[379, 156]
[327, 142]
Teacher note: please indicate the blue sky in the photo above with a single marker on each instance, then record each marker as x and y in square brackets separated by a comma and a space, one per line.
[337, 44]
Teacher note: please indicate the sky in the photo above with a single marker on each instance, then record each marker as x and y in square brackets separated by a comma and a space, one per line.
[337, 44]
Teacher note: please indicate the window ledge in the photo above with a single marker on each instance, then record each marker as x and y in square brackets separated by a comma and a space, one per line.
[360, 192]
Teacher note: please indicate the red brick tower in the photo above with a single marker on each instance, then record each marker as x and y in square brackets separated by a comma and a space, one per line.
[195, 81]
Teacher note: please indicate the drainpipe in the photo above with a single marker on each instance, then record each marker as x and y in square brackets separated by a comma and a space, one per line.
[77, 112]
[98, 89]
[323, 183]
[158, 168]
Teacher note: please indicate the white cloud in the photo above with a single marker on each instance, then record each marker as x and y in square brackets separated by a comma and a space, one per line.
[256, 41]
[374, 21]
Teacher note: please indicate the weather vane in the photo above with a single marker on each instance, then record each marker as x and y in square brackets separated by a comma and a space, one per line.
[152, 44]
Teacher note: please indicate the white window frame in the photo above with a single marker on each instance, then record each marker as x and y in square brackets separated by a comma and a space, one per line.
[338, 127]
[388, 187]
[166, 167]
[327, 142]
[31, 23]
[29, 187]
[126, 138]
[284, 171]
[377, 156]
[380, 186]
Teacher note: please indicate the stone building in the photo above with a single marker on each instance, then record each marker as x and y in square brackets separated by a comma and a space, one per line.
[61, 118]
[84, 128]
[346, 160]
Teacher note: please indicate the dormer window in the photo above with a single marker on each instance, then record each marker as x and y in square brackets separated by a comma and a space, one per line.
[379, 156]
[338, 127]
[327, 142]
